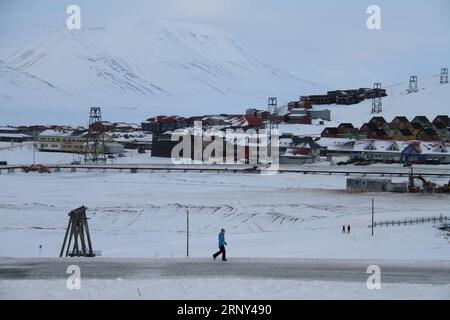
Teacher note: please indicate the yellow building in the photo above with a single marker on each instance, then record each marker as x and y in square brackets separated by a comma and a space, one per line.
[72, 141]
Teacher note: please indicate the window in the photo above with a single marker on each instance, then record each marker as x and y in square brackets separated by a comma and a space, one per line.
[440, 149]
[370, 146]
[393, 147]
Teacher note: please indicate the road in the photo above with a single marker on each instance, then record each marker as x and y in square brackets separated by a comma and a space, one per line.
[413, 272]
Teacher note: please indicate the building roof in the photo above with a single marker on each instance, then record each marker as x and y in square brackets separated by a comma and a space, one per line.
[56, 133]
[391, 146]
[8, 129]
[422, 119]
[331, 130]
[346, 125]
[305, 142]
[401, 119]
[378, 119]
[14, 135]
[429, 132]
[380, 132]
[369, 126]
[416, 125]
[406, 132]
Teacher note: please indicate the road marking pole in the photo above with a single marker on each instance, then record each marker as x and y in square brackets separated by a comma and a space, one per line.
[373, 212]
[187, 233]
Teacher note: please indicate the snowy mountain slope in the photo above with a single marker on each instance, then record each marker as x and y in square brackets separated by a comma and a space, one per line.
[152, 67]
[13, 83]
[432, 99]
[207, 55]
[66, 58]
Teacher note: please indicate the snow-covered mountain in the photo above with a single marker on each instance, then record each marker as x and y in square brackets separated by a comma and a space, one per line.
[152, 67]
[431, 100]
[15, 84]
[72, 62]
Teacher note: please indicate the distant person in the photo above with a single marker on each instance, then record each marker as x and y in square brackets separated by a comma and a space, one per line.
[348, 229]
[222, 244]
[343, 229]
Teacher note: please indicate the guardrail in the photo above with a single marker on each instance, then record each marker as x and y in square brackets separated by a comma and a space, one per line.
[141, 168]
[134, 168]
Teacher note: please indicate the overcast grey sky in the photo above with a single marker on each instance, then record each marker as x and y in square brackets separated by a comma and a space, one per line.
[325, 41]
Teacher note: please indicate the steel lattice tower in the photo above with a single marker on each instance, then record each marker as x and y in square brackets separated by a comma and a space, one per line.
[377, 104]
[413, 84]
[94, 151]
[444, 75]
[272, 105]
[271, 109]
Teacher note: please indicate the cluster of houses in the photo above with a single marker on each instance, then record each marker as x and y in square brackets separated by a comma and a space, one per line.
[401, 140]
[417, 141]
[117, 136]
[400, 128]
[388, 151]
[252, 119]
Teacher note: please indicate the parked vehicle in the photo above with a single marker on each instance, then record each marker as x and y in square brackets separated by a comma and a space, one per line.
[362, 163]
[75, 162]
[36, 168]
[3, 163]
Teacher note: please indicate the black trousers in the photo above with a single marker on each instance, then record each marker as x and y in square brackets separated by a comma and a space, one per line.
[221, 251]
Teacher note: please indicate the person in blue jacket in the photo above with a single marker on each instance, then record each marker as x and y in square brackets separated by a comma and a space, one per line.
[222, 244]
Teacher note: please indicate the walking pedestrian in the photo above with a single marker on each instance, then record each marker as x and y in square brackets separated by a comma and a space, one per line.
[222, 244]
[348, 229]
[343, 229]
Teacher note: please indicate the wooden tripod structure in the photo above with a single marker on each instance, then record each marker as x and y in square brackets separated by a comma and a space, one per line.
[78, 230]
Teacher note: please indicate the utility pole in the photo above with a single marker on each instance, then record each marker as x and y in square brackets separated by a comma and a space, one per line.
[271, 109]
[373, 213]
[187, 233]
[34, 146]
[444, 75]
[413, 84]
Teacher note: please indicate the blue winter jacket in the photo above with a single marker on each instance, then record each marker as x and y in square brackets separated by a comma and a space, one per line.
[222, 239]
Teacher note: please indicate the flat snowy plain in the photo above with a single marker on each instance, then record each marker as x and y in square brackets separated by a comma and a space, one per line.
[285, 215]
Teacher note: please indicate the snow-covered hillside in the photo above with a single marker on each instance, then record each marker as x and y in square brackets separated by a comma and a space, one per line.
[432, 99]
[14, 82]
[151, 67]
[69, 60]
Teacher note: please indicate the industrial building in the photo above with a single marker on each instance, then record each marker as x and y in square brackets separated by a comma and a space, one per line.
[375, 185]
[72, 141]
[10, 134]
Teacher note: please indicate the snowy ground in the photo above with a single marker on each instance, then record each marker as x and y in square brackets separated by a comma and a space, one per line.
[238, 279]
[285, 215]
[217, 289]
[22, 153]
[273, 216]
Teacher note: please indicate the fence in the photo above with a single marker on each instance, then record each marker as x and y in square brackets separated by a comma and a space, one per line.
[441, 219]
